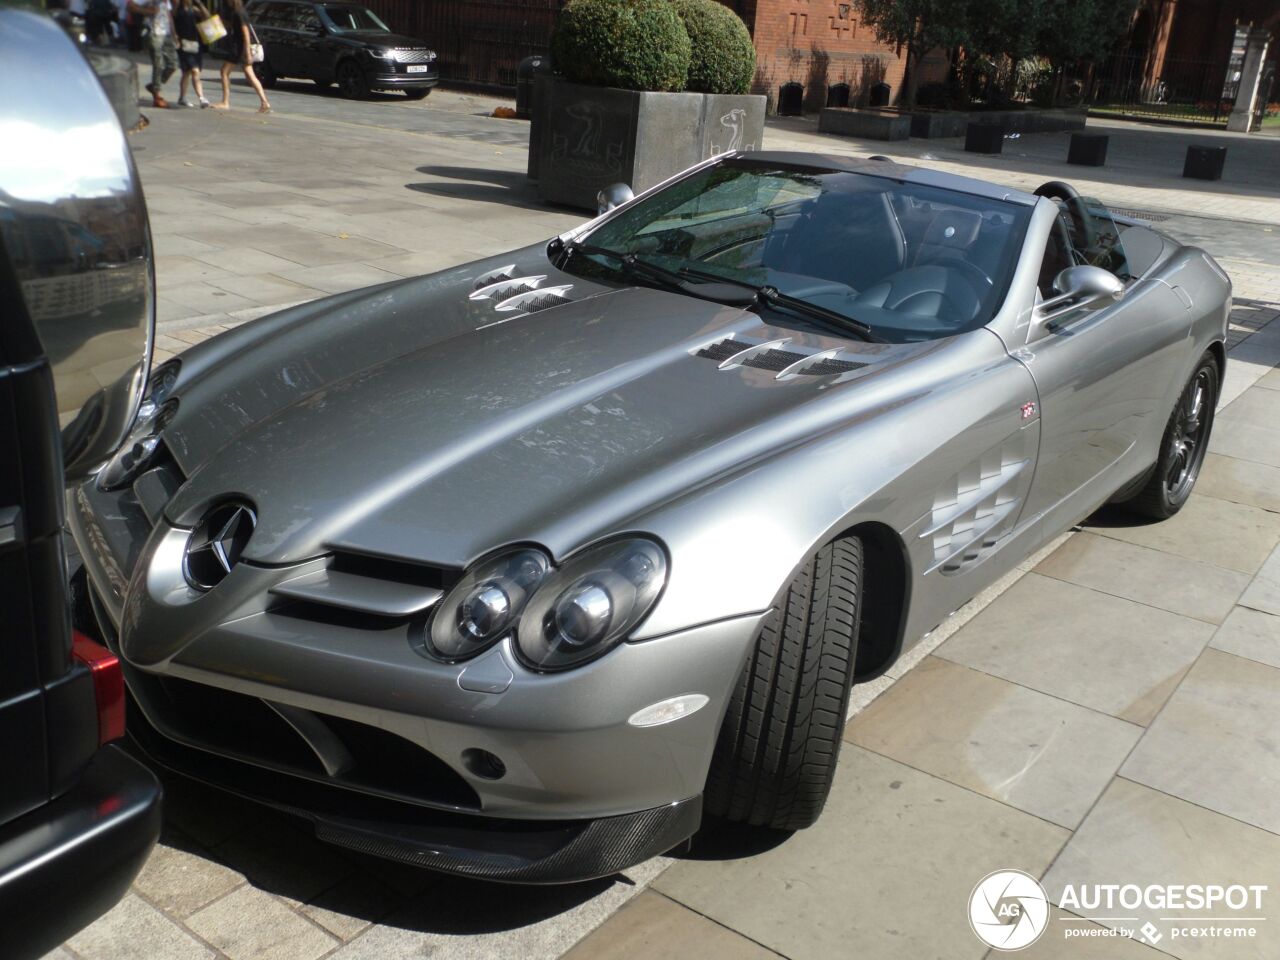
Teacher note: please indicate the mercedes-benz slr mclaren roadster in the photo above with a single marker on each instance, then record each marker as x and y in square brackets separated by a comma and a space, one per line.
[519, 569]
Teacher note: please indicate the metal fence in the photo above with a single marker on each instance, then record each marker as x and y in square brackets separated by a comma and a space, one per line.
[479, 41]
[1196, 91]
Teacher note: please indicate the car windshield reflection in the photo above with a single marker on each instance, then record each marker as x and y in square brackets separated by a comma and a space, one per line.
[348, 19]
[912, 261]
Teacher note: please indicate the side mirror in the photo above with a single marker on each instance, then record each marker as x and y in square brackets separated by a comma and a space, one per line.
[74, 232]
[614, 195]
[1083, 287]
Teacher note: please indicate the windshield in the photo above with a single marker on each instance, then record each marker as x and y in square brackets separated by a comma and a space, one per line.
[346, 19]
[913, 262]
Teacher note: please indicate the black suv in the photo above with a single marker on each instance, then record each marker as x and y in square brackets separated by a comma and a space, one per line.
[339, 42]
[77, 815]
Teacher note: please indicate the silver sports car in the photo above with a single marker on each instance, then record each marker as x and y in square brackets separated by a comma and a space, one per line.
[519, 569]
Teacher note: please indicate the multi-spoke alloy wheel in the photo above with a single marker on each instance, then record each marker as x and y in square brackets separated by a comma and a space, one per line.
[1186, 440]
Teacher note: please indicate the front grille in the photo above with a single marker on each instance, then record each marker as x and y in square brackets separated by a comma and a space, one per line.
[414, 56]
[246, 729]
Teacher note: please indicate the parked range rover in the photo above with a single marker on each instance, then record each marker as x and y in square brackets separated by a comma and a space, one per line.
[342, 43]
[78, 816]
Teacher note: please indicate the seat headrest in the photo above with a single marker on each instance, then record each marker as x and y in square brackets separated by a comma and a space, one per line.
[954, 228]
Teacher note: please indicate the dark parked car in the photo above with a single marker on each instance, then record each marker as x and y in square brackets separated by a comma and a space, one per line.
[341, 43]
[77, 816]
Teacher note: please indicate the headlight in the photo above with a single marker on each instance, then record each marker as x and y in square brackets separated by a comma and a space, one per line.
[383, 54]
[587, 607]
[485, 604]
[159, 388]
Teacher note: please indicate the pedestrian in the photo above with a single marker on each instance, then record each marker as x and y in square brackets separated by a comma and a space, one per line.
[239, 40]
[164, 53]
[99, 15]
[190, 49]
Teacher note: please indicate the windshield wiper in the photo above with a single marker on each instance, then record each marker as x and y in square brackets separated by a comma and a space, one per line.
[766, 294]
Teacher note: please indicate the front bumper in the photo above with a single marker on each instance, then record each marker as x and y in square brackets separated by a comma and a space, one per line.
[380, 78]
[252, 696]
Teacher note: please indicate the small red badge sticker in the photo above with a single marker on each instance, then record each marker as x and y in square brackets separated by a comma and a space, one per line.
[1028, 410]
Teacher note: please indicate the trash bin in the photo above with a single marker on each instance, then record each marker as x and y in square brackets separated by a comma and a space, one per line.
[984, 138]
[1204, 163]
[526, 72]
[1088, 149]
[791, 99]
[838, 95]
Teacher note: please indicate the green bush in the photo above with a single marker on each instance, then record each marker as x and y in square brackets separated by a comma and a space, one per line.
[634, 44]
[723, 58]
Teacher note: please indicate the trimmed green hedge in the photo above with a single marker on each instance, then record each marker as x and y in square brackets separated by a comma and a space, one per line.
[634, 44]
[723, 58]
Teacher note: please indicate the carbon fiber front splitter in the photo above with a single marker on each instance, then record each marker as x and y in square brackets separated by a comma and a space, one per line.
[473, 845]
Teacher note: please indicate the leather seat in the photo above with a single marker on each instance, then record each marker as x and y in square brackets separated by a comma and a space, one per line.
[948, 237]
[851, 239]
[933, 291]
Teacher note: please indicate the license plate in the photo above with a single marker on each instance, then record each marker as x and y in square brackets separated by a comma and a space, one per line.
[417, 68]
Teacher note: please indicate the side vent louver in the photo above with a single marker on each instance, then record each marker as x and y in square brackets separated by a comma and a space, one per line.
[769, 356]
[535, 300]
[495, 276]
[507, 287]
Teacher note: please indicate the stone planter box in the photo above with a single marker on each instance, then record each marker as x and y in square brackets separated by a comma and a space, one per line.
[864, 124]
[586, 138]
[1053, 120]
[930, 126]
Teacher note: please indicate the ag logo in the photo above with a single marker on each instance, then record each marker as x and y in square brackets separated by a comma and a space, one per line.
[1008, 910]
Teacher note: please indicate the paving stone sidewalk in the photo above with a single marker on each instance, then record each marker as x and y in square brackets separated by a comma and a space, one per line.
[1107, 712]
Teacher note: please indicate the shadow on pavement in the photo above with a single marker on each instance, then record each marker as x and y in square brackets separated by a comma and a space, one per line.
[507, 187]
[719, 840]
[279, 855]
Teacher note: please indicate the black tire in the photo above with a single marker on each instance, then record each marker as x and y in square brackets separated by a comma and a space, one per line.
[352, 81]
[776, 753]
[266, 75]
[417, 94]
[1183, 445]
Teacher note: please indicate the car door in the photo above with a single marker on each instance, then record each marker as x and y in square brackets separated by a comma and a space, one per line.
[1103, 379]
[272, 23]
[311, 44]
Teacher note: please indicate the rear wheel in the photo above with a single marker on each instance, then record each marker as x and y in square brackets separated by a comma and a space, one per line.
[1183, 447]
[351, 81]
[776, 754]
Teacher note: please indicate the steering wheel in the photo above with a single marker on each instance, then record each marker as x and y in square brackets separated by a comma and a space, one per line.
[1070, 196]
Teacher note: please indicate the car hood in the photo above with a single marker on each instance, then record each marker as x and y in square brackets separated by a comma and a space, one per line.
[413, 423]
[381, 38]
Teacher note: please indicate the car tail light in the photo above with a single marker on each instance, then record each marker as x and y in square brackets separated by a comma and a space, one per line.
[108, 684]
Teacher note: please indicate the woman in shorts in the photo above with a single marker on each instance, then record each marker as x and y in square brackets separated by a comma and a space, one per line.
[190, 49]
[239, 39]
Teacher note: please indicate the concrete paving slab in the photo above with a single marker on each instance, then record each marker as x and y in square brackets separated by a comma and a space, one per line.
[1110, 654]
[1035, 752]
[1240, 481]
[1235, 536]
[1177, 584]
[1216, 741]
[135, 930]
[652, 926]
[886, 872]
[180, 880]
[1069, 937]
[1251, 634]
[250, 924]
[1142, 836]
[1246, 441]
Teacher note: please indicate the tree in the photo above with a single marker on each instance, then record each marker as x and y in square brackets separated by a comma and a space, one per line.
[919, 26]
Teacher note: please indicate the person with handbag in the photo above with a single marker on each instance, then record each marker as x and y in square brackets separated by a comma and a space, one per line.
[245, 51]
[164, 53]
[190, 49]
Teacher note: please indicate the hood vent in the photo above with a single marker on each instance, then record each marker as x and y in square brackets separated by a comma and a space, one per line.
[495, 276]
[534, 300]
[729, 353]
[507, 288]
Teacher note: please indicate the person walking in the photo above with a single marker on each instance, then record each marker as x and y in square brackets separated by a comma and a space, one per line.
[190, 49]
[239, 39]
[164, 54]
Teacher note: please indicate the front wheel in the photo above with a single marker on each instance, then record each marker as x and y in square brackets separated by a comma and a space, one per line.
[776, 754]
[1183, 446]
[351, 81]
[266, 75]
